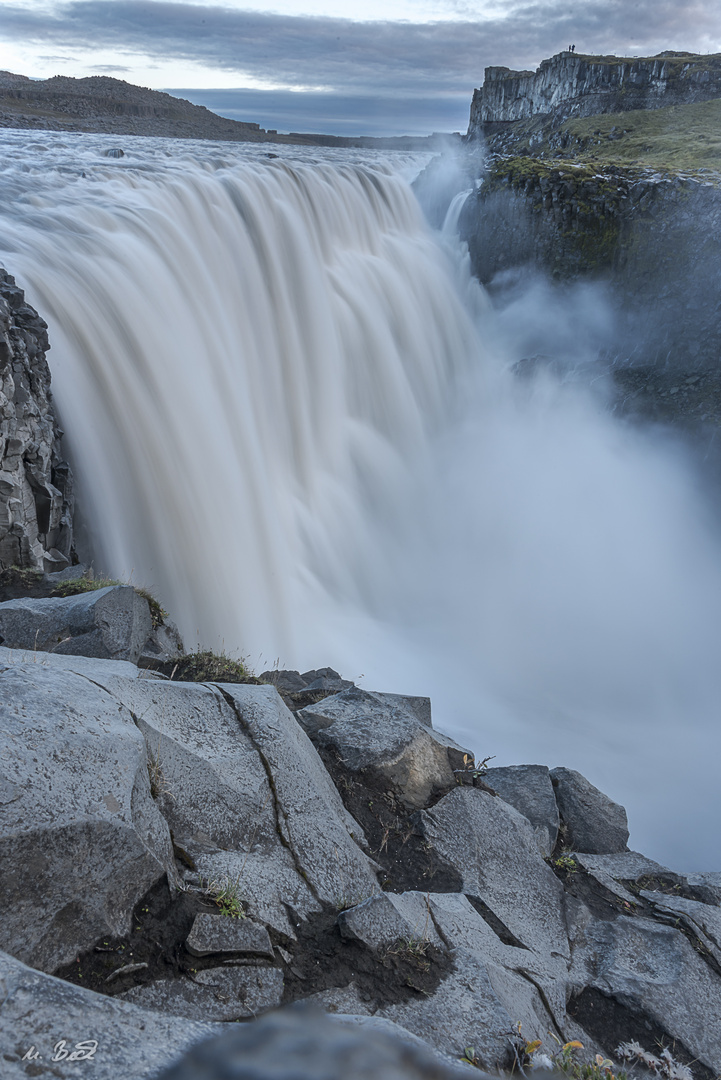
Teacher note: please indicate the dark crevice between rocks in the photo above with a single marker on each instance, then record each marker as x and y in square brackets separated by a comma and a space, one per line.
[323, 960]
[544, 1000]
[606, 905]
[160, 925]
[599, 900]
[393, 832]
[499, 928]
[672, 885]
[610, 1022]
[277, 808]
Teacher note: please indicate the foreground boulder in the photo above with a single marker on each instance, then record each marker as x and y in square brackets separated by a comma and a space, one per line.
[81, 838]
[305, 1045]
[112, 623]
[386, 737]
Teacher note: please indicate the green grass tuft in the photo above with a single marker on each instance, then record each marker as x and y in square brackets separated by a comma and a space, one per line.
[206, 666]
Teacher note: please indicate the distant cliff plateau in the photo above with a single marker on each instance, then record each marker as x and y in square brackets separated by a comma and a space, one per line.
[103, 105]
[574, 85]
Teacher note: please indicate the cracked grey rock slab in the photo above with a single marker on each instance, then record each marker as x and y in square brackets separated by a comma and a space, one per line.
[241, 784]
[700, 918]
[464, 1011]
[111, 624]
[653, 970]
[221, 994]
[594, 823]
[81, 839]
[37, 1010]
[463, 928]
[611, 870]
[711, 882]
[300, 1043]
[494, 850]
[215, 794]
[269, 884]
[382, 736]
[91, 667]
[323, 836]
[415, 908]
[529, 789]
[219, 933]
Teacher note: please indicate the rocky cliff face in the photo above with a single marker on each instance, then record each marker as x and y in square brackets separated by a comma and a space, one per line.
[570, 84]
[36, 484]
[651, 239]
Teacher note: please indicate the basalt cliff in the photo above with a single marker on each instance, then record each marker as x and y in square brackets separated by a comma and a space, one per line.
[571, 84]
[608, 170]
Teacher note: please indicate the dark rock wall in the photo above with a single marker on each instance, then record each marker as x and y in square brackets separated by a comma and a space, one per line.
[570, 84]
[655, 241]
[36, 484]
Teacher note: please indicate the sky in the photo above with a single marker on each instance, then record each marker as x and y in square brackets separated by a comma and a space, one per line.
[358, 67]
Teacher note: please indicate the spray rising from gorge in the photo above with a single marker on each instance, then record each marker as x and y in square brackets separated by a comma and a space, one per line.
[296, 416]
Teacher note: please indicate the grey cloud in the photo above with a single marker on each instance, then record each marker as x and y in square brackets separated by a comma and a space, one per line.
[369, 57]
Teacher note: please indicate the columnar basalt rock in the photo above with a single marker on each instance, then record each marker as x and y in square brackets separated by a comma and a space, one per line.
[117, 783]
[36, 484]
[571, 84]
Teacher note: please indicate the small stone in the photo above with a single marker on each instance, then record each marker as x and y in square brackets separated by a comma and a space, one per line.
[220, 933]
[376, 922]
[128, 969]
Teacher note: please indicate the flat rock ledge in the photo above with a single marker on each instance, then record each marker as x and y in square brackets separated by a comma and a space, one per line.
[175, 857]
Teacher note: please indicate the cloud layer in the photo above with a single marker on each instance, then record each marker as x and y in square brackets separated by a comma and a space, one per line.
[440, 61]
[358, 57]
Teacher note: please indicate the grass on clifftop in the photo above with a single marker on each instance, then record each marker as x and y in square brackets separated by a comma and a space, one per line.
[679, 138]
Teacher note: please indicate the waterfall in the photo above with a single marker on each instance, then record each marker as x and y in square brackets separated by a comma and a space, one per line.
[245, 358]
[296, 418]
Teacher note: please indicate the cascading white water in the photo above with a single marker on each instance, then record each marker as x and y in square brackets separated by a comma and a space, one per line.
[293, 415]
